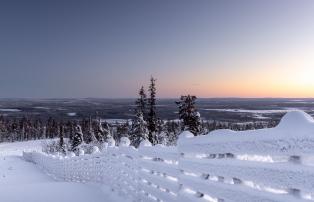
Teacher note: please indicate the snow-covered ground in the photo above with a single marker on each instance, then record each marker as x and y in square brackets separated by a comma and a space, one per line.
[9, 110]
[273, 165]
[17, 148]
[22, 181]
[269, 111]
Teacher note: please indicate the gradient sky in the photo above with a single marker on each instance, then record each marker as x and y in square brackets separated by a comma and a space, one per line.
[63, 48]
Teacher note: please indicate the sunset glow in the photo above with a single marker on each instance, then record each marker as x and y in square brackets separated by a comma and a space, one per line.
[207, 48]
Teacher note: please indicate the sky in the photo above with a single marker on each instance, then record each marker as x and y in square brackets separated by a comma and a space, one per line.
[108, 49]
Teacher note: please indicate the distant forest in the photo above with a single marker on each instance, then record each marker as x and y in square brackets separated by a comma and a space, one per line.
[146, 124]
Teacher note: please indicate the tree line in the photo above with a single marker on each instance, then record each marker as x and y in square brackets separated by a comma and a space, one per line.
[145, 125]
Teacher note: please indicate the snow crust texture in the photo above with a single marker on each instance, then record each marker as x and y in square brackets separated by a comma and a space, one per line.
[265, 165]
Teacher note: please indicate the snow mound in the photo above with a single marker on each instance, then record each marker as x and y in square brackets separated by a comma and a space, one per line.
[125, 142]
[223, 132]
[111, 142]
[186, 134]
[145, 143]
[296, 119]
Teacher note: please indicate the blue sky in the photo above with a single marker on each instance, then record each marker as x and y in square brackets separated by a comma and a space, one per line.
[110, 48]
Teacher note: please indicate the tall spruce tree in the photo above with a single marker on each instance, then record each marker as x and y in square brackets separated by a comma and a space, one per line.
[189, 114]
[152, 124]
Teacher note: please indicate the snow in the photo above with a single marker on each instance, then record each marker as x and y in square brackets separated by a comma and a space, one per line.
[111, 142]
[9, 110]
[259, 116]
[22, 181]
[114, 121]
[44, 108]
[71, 114]
[145, 143]
[273, 165]
[55, 191]
[269, 111]
[15, 172]
[258, 165]
[296, 120]
[125, 142]
[293, 135]
[17, 148]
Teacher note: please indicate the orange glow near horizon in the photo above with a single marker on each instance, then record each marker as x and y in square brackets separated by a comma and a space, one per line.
[285, 81]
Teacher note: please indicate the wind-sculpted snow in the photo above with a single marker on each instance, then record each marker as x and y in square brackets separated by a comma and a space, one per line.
[262, 165]
[293, 136]
[140, 175]
[258, 165]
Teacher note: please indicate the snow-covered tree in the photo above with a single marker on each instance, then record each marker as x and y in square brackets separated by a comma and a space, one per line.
[161, 133]
[122, 131]
[172, 129]
[77, 138]
[162, 138]
[99, 133]
[189, 115]
[107, 132]
[91, 138]
[62, 147]
[102, 132]
[141, 102]
[152, 116]
[139, 131]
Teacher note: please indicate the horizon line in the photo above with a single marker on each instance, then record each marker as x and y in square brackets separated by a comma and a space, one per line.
[54, 98]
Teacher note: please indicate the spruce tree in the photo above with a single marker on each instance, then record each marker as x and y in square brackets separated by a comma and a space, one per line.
[152, 116]
[91, 134]
[189, 114]
[100, 133]
[141, 103]
[139, 131]
[106, 132]
[61, 139]
[77, 138]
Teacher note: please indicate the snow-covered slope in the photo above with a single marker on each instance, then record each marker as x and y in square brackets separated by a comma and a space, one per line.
[293, 136]
[22, 181]
[274, 164]
[17, 148]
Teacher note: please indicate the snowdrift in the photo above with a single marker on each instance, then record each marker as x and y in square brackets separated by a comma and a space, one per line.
[260, 165]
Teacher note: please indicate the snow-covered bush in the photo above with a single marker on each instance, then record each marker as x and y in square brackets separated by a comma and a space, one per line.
[145, 143]
[89, 148]
[111, 142]
[81, 152]
[124, 141]
[54, 146]
[70, 154]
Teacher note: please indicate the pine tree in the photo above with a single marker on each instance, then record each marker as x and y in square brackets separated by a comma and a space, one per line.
[61, 139]
[91, 134]
[172, 130]
[189, 114]
[102, 133]
[77, 138]
[122, 131]
[152, 116]
[139, 131]
[106, 132]
[141, 103]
